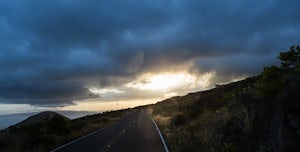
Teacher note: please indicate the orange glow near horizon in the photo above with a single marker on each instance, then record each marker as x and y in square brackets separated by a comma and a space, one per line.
[100, 106]
[160, 85]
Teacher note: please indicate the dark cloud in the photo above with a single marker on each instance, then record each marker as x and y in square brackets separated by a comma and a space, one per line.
[51, 50]
[230, 67]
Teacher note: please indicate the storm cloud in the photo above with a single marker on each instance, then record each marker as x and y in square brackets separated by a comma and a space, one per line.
[53, 51]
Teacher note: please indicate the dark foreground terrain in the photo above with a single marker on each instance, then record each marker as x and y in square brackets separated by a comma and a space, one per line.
[124, 130]
[48, 130]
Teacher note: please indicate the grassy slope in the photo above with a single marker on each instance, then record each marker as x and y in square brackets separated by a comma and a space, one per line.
[227, 118]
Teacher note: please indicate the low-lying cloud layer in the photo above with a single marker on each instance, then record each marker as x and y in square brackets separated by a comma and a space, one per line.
[53, 52]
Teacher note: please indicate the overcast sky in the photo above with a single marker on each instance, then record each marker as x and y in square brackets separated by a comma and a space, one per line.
[61, 53]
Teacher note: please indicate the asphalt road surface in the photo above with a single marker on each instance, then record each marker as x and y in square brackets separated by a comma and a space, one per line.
[136, 132]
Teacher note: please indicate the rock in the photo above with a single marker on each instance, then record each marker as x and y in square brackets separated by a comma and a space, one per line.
[288, 139]
[294, 120]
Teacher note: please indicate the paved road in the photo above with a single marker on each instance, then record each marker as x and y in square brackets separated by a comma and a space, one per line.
[134, 133]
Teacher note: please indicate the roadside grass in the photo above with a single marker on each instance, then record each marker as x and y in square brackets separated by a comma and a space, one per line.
[248, 115]
[194, 122]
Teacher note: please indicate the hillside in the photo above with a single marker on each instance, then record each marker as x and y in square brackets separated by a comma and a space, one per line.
[229, 118]
[43, 116]
[256, 114]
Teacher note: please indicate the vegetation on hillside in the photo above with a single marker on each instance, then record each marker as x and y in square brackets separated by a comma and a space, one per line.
[275, 79]
[256, 114]
[51, 133]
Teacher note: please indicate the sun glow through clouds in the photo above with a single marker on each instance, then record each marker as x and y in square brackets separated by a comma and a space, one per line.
[147, 88]
[163, 82]
[160, 85]
[105, 91]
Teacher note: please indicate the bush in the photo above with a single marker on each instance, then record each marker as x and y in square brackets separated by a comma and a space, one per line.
[290, 59]
[273, 79]
[228, 147]
[179, 120]
[59, 125]
[271, 82]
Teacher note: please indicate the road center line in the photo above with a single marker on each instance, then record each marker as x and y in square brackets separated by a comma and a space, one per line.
[116, 138]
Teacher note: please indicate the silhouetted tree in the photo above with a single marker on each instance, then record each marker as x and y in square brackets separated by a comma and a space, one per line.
[273, 78]
[290, 59]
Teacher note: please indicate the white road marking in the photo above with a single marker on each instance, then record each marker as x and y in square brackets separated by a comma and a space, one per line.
[161, 137]
[81, 138]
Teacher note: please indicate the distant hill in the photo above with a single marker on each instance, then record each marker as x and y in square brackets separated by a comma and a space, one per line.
[46, 115]
[47, 130]
[7, 120]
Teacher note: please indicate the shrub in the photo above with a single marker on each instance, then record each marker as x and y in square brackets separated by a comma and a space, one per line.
[179, 120]
[273, 79]
[290, 59]
[59, 125]
[271, 82]
[228, 147]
